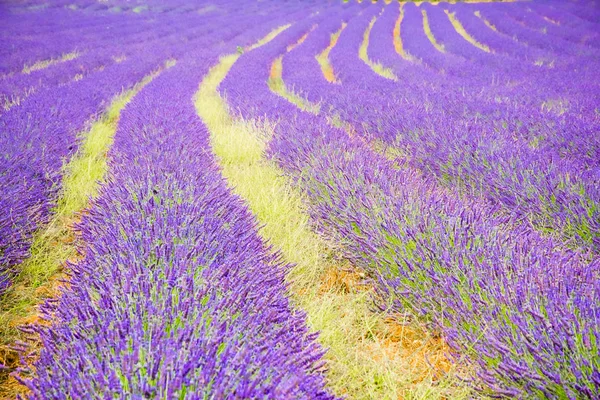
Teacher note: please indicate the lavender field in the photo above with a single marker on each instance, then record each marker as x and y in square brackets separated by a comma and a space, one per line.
[299, 199]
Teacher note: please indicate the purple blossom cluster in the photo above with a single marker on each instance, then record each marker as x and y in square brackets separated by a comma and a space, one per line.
[436, 226]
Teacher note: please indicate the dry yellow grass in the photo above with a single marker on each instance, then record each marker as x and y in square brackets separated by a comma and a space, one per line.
[485, 21]
[301, 40]
[439, 47]
[277, 85]
[398, 45]
[27, 69]
[462, 32]
[363, 54]
[323, 57]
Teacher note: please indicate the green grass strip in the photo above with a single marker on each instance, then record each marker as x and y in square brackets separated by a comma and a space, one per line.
[323, 57]
[277, 85]
[27, 69]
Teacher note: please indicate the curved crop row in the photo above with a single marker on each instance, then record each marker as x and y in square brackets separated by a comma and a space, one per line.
[369, 355]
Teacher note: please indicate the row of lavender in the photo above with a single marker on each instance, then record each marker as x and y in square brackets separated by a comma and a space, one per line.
[176, 296]
[39, 135]
[522, 306]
